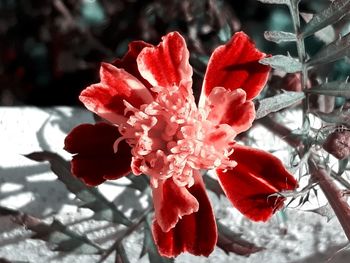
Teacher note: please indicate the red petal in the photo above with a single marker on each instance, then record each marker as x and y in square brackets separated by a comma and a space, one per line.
[128, 62]
[171, 202]
[106, 98]
[94, 160]
[166, 64]
[258, 175]
[230, 107]
[195, 233]
[241, 118]
[236, 65]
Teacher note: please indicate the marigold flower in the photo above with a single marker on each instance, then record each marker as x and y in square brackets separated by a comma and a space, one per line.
[155, 128]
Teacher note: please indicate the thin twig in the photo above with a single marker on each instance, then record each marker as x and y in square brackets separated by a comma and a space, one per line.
[127, 232]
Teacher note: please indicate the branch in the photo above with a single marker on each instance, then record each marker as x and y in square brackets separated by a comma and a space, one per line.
[284, 133]
[334, 195]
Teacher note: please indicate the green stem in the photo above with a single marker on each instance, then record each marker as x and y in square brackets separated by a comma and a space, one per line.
[294, 10]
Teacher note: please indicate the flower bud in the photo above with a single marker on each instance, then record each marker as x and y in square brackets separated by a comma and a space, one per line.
[338, 144]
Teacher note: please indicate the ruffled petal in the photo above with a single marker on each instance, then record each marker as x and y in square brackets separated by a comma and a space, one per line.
[257, 176]
[195, 233]
[106, 98]
[166, 64]
[95, 161]
[171, 203]
[128, 62]
[230, 107]
[236, 65]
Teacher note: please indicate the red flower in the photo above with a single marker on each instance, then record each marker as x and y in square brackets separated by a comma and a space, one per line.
[155, 128]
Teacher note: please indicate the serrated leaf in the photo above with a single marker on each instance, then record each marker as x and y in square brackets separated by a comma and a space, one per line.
[315, 192]
[56, 234]
[306, 124]
[332, 52]
[62, 169]
[92, 198]
[325, 211]
[285, 2]
[276, 103]
[279, 36]
[301, 202]
[333, 13]
[334, 88]
[149, 247]
[326, 35]
[231, 242]
[337, 117]
[66, 240]
[284, 63]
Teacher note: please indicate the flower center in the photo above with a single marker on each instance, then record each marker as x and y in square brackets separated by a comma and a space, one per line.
[171, 137]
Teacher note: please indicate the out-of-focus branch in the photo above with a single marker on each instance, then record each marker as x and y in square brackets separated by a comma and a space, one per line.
[335, 196]
[61, 7]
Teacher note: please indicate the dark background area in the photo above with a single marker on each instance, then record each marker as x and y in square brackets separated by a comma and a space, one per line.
[51, 50]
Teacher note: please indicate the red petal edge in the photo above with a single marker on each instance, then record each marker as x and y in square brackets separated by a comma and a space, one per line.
[128, 62]
[107, 97]
[230, 107]
[172, 202]
[236, 65]
[257, 176]
[94, 160]
[166, 64]
[195, 233]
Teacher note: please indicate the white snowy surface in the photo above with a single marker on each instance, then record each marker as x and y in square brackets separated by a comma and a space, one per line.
[32, 188]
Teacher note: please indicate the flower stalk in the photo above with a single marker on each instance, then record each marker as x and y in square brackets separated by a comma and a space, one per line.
[294, 10]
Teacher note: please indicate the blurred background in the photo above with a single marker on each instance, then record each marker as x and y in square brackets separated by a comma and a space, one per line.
[51, 50]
